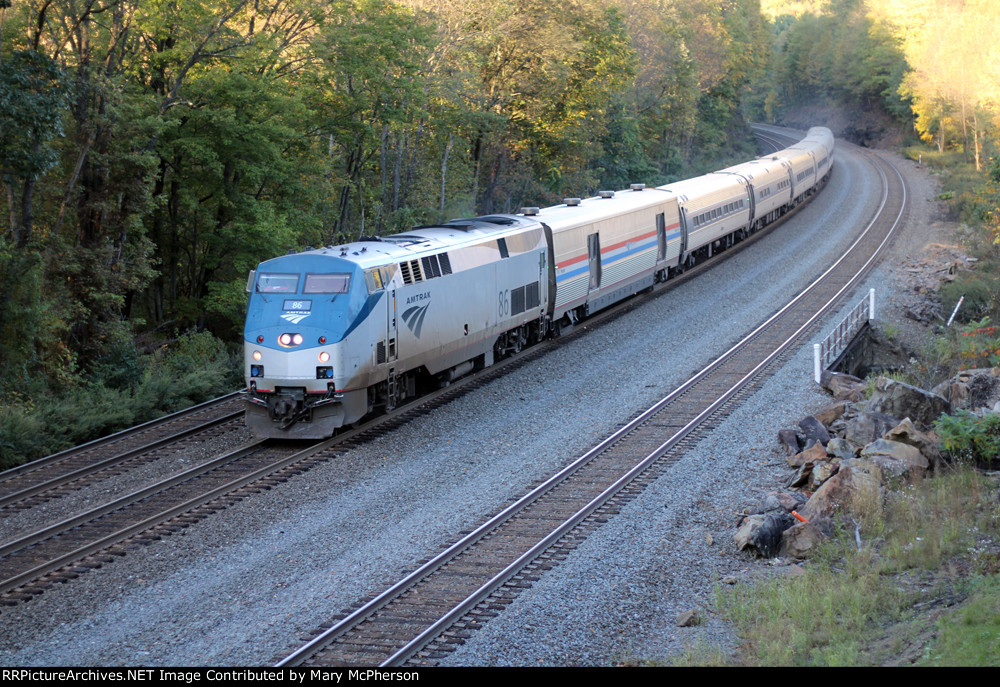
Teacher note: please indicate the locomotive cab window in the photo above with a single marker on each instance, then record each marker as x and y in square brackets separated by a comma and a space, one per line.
[327, 283]
[277, 283]
[378, 278]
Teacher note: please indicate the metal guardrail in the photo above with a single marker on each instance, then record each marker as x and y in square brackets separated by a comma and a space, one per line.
[828, 350]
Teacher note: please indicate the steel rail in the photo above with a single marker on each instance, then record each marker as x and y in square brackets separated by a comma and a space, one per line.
[61, 480]
[117, 436]
[131, 499]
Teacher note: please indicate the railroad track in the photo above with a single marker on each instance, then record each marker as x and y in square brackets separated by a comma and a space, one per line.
[418, 618]
[772, 140]
[33, 483]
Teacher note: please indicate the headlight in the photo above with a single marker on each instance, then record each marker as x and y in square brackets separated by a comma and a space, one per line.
[257, 356]
[324, 357]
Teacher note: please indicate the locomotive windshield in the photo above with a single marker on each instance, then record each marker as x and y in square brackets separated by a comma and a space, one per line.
[327, 283]
[277, 283]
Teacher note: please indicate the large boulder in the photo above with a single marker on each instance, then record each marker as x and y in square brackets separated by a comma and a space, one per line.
[866, 427]
[831, 413]
[844, 387]
[821, 472]
[898, 462]
[813, 431]
[762, 533]
[840, 449]
[837, 493]
[786, 501]
[899, 399]
[800, 539]
[810, 456]
[896, 450]
[926, 442]
[790, 440]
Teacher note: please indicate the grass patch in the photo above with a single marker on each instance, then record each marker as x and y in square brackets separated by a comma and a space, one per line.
[970, 636]
[919, 545]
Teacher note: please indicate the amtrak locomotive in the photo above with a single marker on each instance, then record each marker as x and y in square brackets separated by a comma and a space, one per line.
[332, 334]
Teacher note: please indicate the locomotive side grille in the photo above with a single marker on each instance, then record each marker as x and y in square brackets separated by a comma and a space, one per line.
[380, 353]
[517, 301]
[445, 263]
[431, 267]
[412, 273]
[531, 296]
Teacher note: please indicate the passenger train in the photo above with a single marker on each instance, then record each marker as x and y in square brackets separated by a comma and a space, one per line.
[336, 333]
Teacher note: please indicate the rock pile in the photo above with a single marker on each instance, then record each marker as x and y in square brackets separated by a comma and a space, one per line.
[852, 450]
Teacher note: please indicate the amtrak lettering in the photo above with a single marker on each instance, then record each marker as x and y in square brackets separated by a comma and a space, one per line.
[418, 297]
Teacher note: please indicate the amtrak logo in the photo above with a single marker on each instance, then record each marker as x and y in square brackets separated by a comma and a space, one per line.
[295, 317]
[414, 318]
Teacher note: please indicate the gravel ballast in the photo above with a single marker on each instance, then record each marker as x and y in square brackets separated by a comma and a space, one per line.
[242, 586]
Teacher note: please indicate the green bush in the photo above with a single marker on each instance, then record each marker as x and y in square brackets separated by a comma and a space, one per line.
[120, 365]
[194, 368]
[974, 345]
[22, 435]
[971, 437]
[982, 295]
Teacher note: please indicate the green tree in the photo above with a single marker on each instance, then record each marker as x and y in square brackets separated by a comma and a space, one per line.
[33, 95]
[368, 88]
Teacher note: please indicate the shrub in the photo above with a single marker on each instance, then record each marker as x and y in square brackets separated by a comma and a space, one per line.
[194, 368]
[978, 345]
[981, 289]
[971, 437]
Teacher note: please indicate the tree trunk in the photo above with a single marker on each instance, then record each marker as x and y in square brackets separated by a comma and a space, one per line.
[384, 169]
[27, 213]
[444, 170]
[975, 142]
[9, 189]
[397, 172]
